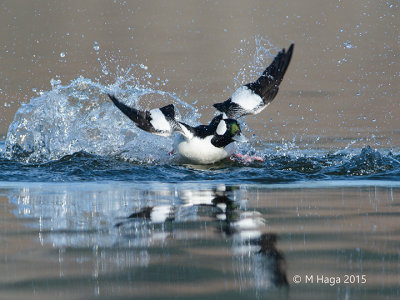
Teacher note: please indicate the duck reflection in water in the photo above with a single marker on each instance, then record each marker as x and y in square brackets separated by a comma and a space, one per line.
[256, 259]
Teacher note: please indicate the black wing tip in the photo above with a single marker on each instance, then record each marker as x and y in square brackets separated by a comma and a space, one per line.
[285, 55]
[169, 111]
[289, 52]
[291, 47]
[113, 98]
[279, 65]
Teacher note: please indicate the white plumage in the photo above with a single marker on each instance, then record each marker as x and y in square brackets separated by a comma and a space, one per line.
[247, 99]
[201, 151]
[159, 121]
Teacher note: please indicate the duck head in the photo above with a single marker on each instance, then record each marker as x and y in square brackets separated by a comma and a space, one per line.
[227, 131]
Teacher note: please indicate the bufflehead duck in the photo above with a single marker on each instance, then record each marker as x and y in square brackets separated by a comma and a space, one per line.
[207, 144]
[204, 144]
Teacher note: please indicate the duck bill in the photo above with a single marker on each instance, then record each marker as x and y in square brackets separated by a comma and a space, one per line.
[240, 138]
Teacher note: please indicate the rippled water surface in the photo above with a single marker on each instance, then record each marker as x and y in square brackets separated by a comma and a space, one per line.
[115, 240]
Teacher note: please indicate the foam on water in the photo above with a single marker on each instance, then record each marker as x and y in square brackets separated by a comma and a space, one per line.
[80, 117]
[367, 165]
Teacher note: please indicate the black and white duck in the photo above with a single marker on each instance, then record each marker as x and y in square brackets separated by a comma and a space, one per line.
[207, 144]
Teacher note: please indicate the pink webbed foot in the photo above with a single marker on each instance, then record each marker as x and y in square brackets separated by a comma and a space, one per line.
[247, 158]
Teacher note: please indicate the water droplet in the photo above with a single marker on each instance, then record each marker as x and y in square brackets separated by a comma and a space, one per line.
[348, 45]
[96, 46]
[54, 82]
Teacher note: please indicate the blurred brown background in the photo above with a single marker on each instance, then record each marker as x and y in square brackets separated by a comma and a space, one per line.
[342, 84]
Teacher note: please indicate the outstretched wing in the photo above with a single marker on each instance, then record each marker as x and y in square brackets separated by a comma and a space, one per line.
[159, 121]
[253, 97]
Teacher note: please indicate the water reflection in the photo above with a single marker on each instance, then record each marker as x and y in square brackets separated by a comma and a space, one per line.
[256, 259]
[166, 231]
[198, 240]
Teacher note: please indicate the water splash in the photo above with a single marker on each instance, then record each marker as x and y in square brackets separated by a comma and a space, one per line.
[300, 166]
[2, 148]
[79, 117]
[253, 56]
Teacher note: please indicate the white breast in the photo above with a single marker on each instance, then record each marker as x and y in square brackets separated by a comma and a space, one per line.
[245, 97]
[201, 151]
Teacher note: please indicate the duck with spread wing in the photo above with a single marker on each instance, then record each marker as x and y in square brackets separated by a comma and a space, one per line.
[208, 144]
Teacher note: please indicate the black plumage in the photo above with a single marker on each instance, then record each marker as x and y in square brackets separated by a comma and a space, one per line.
[266, 86]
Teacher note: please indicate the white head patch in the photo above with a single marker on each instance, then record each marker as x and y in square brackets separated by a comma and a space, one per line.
[221, 129]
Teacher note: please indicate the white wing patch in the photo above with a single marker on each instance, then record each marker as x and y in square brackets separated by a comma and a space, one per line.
[245, 97]
[159, 121]
[221, 128]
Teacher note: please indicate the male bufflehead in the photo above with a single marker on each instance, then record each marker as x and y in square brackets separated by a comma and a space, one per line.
[207, 144]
